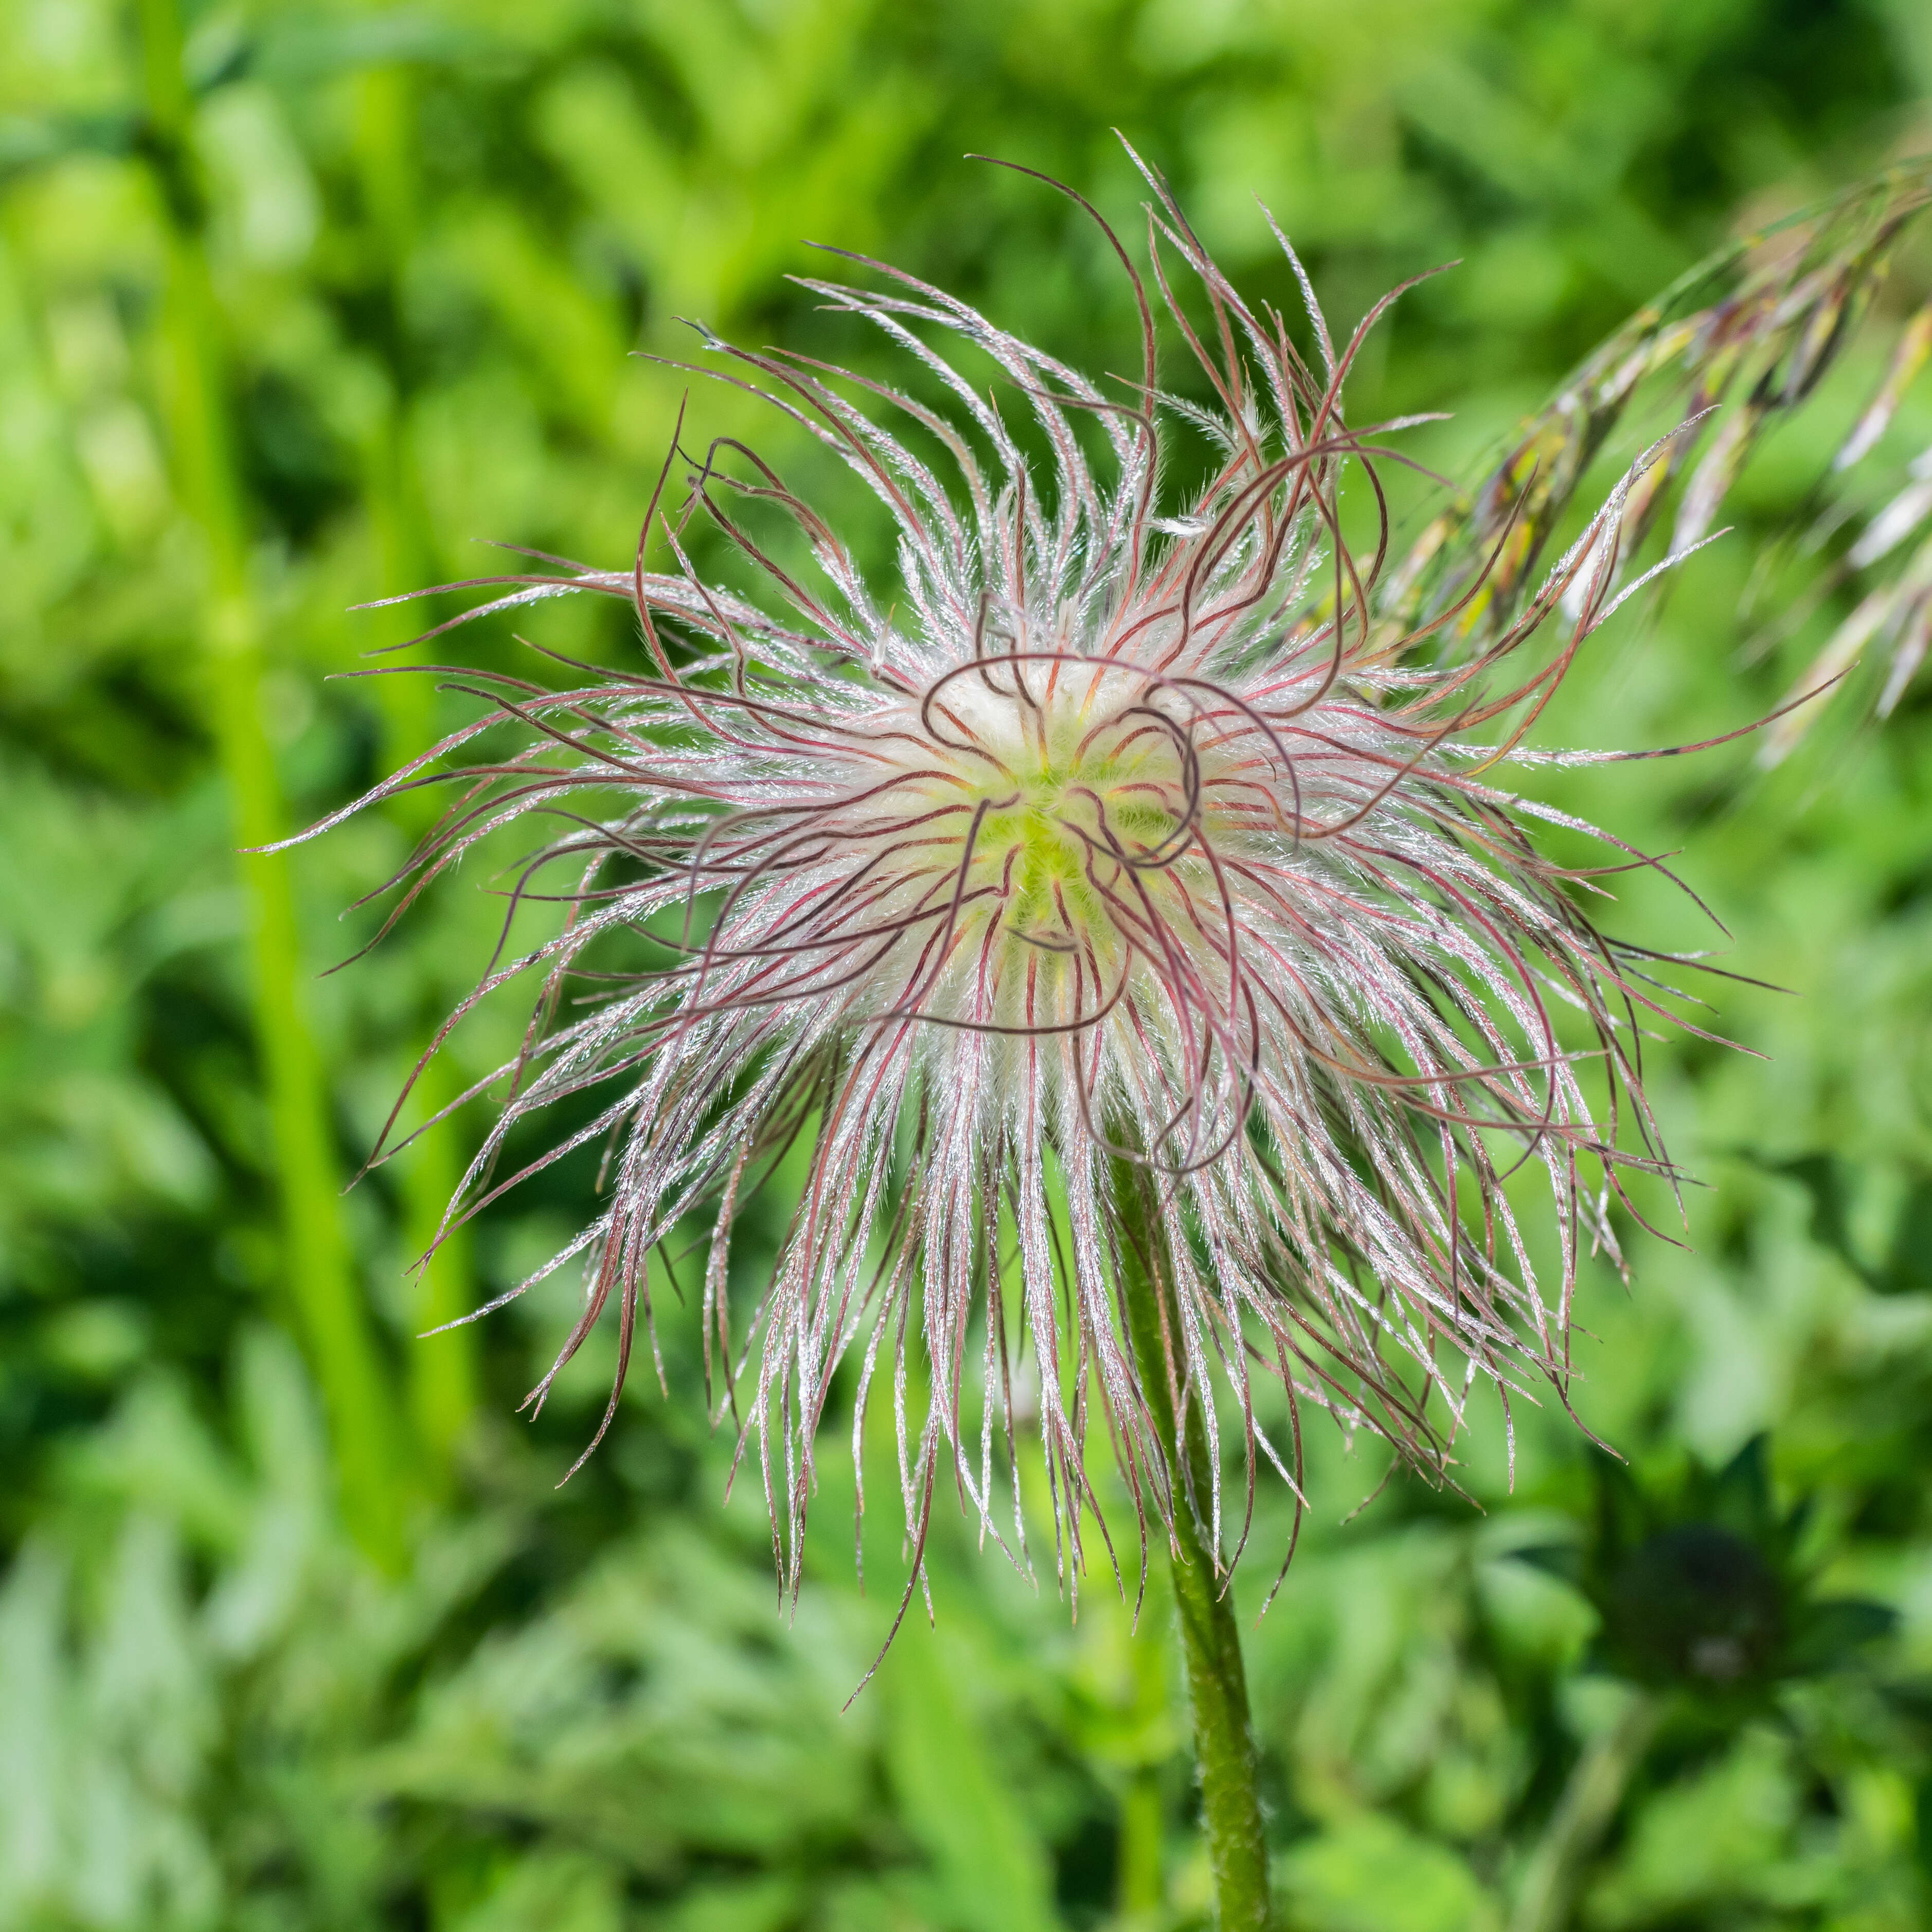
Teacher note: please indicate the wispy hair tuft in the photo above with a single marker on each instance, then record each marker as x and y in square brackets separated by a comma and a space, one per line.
[1115, 876]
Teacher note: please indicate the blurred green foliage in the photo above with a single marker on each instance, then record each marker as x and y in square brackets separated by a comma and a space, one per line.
[295, 1630]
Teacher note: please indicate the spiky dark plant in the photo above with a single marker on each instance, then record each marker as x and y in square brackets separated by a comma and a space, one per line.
[1705, 1588]
[1707, 1602]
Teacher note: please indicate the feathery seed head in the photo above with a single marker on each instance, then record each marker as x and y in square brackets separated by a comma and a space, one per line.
[1121, 898]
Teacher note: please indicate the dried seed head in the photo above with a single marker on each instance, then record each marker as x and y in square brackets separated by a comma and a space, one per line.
[1121, 860]
[1732, 350]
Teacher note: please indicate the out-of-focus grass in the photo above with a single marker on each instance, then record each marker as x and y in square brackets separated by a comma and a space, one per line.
[430, 236]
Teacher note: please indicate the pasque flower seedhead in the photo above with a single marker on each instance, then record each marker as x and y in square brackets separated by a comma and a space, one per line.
[1116, 878]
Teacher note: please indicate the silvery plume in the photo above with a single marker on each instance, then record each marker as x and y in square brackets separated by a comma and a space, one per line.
[1121, 878]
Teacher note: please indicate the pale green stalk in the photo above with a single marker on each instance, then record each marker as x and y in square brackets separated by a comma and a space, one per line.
[1583, 1815]
[318, 1265]
[442, 1370]
[1141, 1887]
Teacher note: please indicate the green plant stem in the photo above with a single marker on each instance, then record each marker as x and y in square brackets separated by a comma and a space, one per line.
[318, 1265]
[1217, 1683]
[1140, 1891]
[1141, 1888]
[443, 1370]
[1582, 1815]
[443, 1376]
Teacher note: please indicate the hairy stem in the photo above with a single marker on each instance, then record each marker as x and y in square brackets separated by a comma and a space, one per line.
[1217, 1683]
